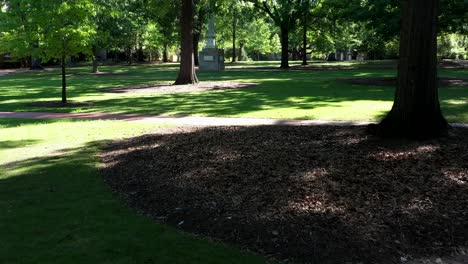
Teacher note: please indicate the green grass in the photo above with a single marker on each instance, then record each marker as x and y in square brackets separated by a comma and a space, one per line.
[281, 94]
[55, 207]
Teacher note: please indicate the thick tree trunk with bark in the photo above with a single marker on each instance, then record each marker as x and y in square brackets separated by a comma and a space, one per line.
[284, 48]
[187, 73]
[64, 80]
[416, 111]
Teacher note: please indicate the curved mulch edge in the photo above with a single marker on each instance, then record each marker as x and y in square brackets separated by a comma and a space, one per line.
[55, 104]
[325, 194]
[392, 81]
[168, 88]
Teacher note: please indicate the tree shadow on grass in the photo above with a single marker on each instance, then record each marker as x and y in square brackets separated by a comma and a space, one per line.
[228, 103]
[14, 122]
[6, 144]
[311, 194]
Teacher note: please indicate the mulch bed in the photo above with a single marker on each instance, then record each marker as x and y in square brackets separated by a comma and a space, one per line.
[391, 81]
[318, 194]
[167, 88]
[55, 104]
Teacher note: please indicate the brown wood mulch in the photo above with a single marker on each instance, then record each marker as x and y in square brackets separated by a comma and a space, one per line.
[311, 194]
[167, 88]
[391, 81]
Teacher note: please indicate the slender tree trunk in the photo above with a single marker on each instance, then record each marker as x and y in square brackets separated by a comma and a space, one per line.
[95, 62]
[284, 48]
[165, 56]
[196, 40]
[129, 56]
[234, 28]
[35, 61]
[95, 66]
[241, 48]
[64, 81]
[416, 111]
[187, 73]
[304, 41]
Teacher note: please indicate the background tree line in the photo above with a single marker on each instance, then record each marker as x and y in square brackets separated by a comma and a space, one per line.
[138, 30]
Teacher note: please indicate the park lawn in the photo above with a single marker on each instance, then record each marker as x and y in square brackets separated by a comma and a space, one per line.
[290, 94]
[55, 207]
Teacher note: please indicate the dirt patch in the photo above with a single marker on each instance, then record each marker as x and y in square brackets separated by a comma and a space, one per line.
[57, 104]
[454, 64]
[167, 88]
[317, 194]
[391, 81]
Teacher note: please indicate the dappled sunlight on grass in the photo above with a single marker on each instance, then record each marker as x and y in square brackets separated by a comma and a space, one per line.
[286, 94]
[40, 140]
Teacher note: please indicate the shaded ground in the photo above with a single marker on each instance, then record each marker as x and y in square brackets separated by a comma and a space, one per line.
[391, 81]
[167, 88]
[54, 104]
[318, 194]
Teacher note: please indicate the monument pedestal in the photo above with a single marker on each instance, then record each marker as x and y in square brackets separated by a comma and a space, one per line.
[211, 59]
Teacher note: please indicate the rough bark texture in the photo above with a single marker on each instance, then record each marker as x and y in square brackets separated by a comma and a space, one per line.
[187, 73]
[416, 111]
[64, 81]
[284, 48]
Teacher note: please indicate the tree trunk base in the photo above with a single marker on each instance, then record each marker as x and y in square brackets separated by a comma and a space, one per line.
[420, 129]
[183, 81]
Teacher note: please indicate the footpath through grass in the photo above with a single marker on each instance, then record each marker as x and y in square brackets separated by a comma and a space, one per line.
[55, 207]
[295, 94]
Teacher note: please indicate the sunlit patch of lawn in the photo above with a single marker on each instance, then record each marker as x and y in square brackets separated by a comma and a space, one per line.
[55, 207]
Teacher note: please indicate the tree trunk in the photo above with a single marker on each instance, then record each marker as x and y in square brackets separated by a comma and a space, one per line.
[196, 40]
[241, 48]
[165, 56]
[234, 26]
[95, 62]
[187, 73]
[129, 56]
[64, 81]
[284, 48]
[95, 66]
[416, 110]
[304, 41]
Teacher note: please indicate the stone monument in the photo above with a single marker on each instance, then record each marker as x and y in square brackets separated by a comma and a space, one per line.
[211, 58]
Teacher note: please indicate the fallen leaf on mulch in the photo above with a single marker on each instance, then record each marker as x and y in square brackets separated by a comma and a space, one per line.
[312, 194]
